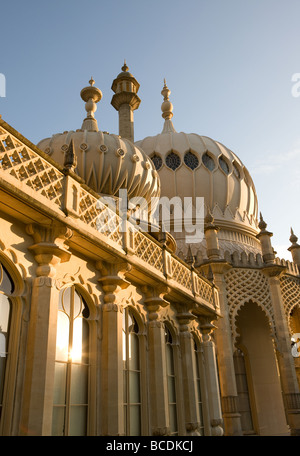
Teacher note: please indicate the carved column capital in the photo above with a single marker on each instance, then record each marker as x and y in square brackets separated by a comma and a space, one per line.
[155, 299]
[206, 328]
[184, 317]
[49, 248]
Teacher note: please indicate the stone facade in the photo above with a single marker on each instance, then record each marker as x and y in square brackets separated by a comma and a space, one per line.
[106, 329]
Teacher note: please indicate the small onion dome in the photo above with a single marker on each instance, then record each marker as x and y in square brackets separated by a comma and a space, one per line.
[106, 162]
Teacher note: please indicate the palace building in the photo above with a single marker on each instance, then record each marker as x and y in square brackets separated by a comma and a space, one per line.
[110, 328]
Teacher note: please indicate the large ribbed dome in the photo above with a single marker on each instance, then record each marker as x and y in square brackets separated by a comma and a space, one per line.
[106, 162]
[190, 165]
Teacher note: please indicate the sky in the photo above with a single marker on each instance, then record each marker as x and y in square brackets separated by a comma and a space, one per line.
[232, 67]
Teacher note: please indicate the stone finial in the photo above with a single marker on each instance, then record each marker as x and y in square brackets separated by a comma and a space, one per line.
[265, 239]
[70, 160]
[293, 237]
[295, 249]
[262, 224]
[91, 95]
[190, 259]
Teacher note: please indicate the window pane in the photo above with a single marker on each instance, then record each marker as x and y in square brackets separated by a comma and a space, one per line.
[62, 338]
[79, 384]
[170, 363]
[171, 390]
[6, 283]
[173, 418]
[135, 420]
[65, 299]
[78, 420]
[78, 306]
[58, 421]
[76, 352]
[60, 383]
[134, 362]
[4, 315]
[134, 387]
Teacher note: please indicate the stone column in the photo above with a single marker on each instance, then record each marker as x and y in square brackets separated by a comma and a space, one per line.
[188, 368]
[112, 411]
[288, 376]
[216, 421]
[289, 383]
[223, 337]
[223, 333]
[159, 406]
[49, 250]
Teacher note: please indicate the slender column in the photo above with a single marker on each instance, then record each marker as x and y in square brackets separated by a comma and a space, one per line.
[223, 337]
[289, 382]
[223, 333]
[159, 411]
[188, 368]
[208, 346]
[112, 281]
[49, 251]
[286, 364]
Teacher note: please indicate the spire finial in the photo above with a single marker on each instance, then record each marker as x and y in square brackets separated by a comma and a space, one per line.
[124, 67]
[262, 224]
[70, 159]
[293, 237]
[167, 109]
[91, 95]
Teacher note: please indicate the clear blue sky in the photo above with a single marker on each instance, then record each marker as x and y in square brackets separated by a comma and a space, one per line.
[228, 63]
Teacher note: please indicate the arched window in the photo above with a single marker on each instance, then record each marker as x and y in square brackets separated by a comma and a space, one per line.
[191, 160]
[208, 161]
[157, 161]
[223, 164]
[173, 161]
[198, 387]
[6, 289]
[70, 405]
[131, 374]
[171, 382]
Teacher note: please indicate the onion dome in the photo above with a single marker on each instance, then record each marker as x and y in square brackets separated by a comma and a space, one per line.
[190, 165]
[106, 162]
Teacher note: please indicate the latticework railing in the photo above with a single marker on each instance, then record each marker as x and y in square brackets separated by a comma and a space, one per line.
[29, 168]
[204, 289]
[181, 274]
[148, 251]
[100, 217]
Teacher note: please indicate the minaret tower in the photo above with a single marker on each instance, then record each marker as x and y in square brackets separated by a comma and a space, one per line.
[125, 101]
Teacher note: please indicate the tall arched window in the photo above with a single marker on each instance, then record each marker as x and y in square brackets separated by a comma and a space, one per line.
[6, 289]
[198, 387]
[171, 382]
[132, 374]
[70, 405]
